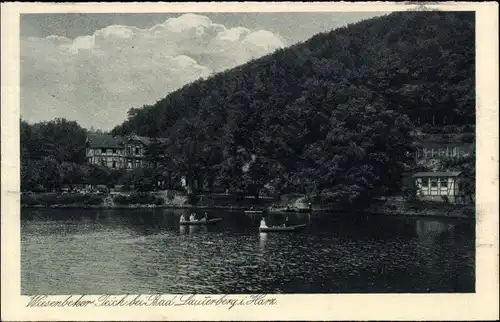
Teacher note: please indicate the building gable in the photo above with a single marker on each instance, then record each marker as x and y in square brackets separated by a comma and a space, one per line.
[95, 141]
[437, 174]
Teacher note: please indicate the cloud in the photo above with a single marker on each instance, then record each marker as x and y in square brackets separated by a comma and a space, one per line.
[263, 38]
[96, 78]
[233, 34]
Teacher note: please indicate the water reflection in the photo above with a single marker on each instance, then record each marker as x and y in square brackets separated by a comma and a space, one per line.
[197, 228]
[263, 240]
[426, 228]
[192, 229]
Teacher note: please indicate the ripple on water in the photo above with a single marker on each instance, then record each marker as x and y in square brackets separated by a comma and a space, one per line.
[122, 254]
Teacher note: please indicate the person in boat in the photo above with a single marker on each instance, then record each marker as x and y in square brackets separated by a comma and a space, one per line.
[192, 217]
[287, 221]
[263, 223]
[205, 217]
[183, 218]
[310, 206]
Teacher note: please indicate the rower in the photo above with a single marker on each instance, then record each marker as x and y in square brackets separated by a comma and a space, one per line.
[263, 223]
[287, 222]
[192, 217]
[183, 218]
[206, 216]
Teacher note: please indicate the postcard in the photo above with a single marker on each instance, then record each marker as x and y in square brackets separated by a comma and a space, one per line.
[249, 161]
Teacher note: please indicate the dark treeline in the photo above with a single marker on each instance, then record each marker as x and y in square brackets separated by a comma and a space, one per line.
[330, 116]
[61, 139]
[52, 154]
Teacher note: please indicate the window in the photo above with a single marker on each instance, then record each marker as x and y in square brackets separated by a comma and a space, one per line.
[425, 183]
[136, 150]
[444, 183]
[103, 150]
[114, 164]
[434, 183]
[114, 150]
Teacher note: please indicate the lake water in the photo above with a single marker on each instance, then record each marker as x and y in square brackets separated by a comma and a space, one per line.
[75, 251]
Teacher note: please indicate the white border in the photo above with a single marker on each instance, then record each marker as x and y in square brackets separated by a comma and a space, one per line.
[481, 305]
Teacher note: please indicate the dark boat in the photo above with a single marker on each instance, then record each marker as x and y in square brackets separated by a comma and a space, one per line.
[254, 211]
[300, 210]
[201, 222]
[282, 229]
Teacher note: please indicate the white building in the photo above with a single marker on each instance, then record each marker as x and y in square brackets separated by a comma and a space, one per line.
[438, 186]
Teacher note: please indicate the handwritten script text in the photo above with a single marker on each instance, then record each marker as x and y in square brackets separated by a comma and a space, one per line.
[150, 300]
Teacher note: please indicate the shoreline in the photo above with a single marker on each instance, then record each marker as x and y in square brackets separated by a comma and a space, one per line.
[138, 206]
[379, 212]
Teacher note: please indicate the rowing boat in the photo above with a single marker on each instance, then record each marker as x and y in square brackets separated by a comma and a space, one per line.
[201, 222]
[279, 229]
[301, 210]
[254, 211]
[291, 210]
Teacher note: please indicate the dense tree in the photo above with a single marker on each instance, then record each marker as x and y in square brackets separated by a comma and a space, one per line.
[466, 164]
[140, 178]
[61, 139]
[50, 172]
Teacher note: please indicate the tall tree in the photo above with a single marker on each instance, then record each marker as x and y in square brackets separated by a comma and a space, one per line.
[467, 165]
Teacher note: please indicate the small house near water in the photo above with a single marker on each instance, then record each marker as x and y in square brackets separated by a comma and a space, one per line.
[438, 186]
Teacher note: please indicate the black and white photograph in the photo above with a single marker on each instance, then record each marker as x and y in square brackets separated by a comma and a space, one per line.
[247, 153]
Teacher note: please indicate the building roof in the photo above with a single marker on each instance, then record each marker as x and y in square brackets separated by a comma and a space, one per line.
[105, 141]
[438, 174]
[144, 139]
[97, 140]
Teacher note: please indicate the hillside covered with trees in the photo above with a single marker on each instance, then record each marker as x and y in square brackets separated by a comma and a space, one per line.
[330, 116]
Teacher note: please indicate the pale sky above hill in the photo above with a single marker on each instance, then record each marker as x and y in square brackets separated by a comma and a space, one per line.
[93, 68]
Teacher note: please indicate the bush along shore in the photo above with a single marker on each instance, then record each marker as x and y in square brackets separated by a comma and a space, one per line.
[161, 199]
[227, 202]
[423, 209]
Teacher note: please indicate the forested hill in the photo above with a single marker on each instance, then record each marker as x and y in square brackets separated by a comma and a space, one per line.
[421, 63]
[341, 102]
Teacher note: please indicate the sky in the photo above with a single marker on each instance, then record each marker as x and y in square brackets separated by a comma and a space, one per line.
[92, 68]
